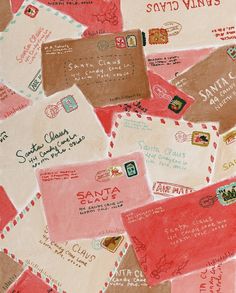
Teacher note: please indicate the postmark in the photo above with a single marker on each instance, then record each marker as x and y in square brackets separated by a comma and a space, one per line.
[181, 137]
[120, 42]
[173, 28]
[200, 138]
[103, 45]
[131, 169]
[68, 104]
[36, 82]
[131, 41]
[31, 11]
[102, 176]
[232, 53]
[112, 243]
[158, 36]
[96, 244]
[227, 194]
[177, 104]
[230, 137]
[207, 201]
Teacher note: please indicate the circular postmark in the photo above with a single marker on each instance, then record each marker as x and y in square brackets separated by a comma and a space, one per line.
[103, 45]
[51, 111]
[207, 201]
[173, 28]
[180, 136]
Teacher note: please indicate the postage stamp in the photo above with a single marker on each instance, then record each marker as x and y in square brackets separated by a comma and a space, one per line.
[112, 243]
[200, 138]
[158, 36]
[177, 104]
[227, 194]
[31, 11]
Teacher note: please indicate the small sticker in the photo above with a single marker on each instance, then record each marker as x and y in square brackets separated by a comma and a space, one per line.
[131, 169]
[120, 42]
[232, 53]
[131, 41]
[115, 171]
[31, 11]
[207, 201]
[200, 138]
[158, 36]
[227, 194]
[69, 104]
[230, 137]
[36, 82]
[177, 104]
[112, 243]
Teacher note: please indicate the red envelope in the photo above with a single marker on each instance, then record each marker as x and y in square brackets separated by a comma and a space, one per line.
[100, 16]
[86, 200]
[161, 103]
[179, 235]
[28, 283]
[7, 210]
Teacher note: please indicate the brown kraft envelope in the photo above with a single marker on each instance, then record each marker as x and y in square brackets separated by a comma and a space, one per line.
[109, 69]
[212, 83]
[9, 272]
[130, 279]
[5, 14]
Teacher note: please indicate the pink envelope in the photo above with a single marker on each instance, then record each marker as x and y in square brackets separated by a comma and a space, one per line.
[85, 200]
[7, 209]
[28, 283]
[10, 102]
[179, 235]
[169, 64]
[161, 104]
[100, 16]
[219, 277]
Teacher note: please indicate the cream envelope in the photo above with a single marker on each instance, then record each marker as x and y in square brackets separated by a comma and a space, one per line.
[219, 277]
[179, 155]
[60, 129]
[226, 156]
[20, 45]
[96, 193]
[66, 267]
[181, 24]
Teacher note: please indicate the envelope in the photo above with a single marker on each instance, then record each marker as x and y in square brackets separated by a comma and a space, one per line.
[7, 209]
[109, 69]
[226, 156]
[159, 105]
[33, 25]
[95, 193]
[27, 281]
[130, 279]
[219, 277]
[179, 235]
[179, 155]
[99, 16]
[170, 64]
[50, 133]
[5, 14]
[9, 271]
[11, 102]
[79, 259]
[212, 82]
[181, 24]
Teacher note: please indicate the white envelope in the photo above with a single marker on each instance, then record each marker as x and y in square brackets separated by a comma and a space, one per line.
[20, 45]
[181, 24]
[179, 155]
[226, 156]
[60, 129]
